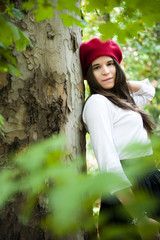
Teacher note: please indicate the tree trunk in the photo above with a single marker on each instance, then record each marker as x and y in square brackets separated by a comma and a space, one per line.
[46, 99]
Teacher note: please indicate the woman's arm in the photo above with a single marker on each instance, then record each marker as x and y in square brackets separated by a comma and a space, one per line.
[142, 92]
[148, 228]
[134, 86]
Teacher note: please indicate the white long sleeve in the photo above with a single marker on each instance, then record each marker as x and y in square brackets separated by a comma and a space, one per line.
[98, 118]
[112, 129]
[144, 95]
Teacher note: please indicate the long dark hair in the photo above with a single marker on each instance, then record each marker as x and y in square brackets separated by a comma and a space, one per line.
[120, 94]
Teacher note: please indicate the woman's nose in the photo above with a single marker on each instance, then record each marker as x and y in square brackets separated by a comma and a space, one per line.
[105, 70]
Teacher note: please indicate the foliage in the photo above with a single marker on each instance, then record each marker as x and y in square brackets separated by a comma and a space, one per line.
[43, 175]
[120, 18]
[1, 125]
[42, 9]
[10, 35]
[141, 60]
[109, 18]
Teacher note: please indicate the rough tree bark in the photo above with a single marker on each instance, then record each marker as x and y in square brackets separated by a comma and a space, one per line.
[46, 99]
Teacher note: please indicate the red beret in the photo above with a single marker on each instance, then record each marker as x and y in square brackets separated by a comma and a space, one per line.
[95, 48]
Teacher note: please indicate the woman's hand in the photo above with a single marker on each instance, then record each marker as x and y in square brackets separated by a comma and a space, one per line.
[148, 229]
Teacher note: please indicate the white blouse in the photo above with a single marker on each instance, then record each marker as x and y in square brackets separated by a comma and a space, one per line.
[113, 130]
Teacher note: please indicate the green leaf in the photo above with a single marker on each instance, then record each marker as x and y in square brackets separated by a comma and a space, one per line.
[8, 186]
[36, 153]
[110, 5]
[78, 191]
[21, 41]
[69, 5]
[150, 19]
[69, 20]
[10, 32]
[6, 67]
[2, 46]
[6, 53]
[17, 13]
[92, 5]
[28, 5]
[5, 31]
[108, 30]
[13, 70]
[1, 125]
[1, 120]
[43, 12]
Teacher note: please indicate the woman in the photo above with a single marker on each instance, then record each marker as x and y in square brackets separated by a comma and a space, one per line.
[115, 121]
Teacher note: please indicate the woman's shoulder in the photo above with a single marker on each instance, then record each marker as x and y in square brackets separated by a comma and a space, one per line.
[95, 99]
[97, 104]
[97, 107]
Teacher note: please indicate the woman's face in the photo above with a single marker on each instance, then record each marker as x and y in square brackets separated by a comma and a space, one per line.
[104, 71]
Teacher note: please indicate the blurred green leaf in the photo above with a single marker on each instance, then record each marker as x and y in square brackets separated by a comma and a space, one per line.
[28, 5]
[126, 18]
[69, 20]
[1, 125]
[112, 30]
[8, 186]
[43, 12]
[93, 5]
[41, 173]
[6, 67]
[68, 5]
[7, 34]
[18, 13]
[10, 34]
[35, 156]
[21, 41]
[6, 53]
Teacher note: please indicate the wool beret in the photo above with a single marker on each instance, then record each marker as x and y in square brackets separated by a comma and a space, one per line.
[94, 48]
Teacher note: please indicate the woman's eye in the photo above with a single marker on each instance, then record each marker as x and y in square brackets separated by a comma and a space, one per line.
[111, 63]
[95, 68]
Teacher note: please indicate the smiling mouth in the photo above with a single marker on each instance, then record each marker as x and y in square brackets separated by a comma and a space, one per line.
[105, 80]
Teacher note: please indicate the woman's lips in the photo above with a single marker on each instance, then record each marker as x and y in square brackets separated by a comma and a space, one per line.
[105, 80]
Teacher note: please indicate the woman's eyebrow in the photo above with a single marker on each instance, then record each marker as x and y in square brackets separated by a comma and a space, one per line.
[109, 61]
[97, 64]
